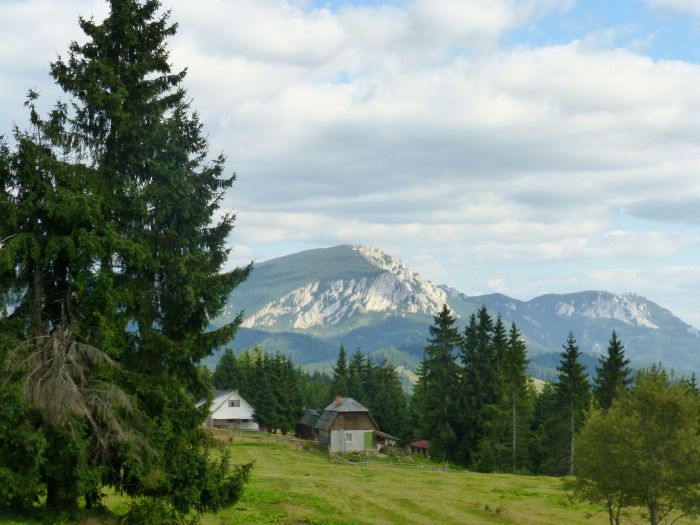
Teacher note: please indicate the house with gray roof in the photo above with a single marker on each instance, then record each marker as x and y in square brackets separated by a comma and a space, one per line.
[346, 426]
[229, 410]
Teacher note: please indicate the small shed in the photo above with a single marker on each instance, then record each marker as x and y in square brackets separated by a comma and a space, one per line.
[230, 410]
[382, 440]
[346, 426]
[305, 427]
[420, 448]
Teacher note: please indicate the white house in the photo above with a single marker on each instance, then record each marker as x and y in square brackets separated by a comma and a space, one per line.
[230, 410]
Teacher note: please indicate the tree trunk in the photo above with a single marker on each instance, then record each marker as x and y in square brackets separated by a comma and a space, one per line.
[61, 490]
[611, 512]
[59, 493]
[37, 291]
[573, 437]
[514, 430]
[653, 513]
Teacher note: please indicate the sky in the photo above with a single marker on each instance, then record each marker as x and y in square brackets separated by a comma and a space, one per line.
[515, 146]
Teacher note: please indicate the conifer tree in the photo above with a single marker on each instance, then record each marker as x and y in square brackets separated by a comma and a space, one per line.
[691, 383]
[316, 389]
[499, 342]
[227, 374]
[385, 398]
[132, 268]
[485, 421]
[359, 370]
[340, 387]
[486, 357]
[437, 381]
[573, 397]
[546, 433]
[613, 373]
[291, 394]
[514, 369]
[469, 398]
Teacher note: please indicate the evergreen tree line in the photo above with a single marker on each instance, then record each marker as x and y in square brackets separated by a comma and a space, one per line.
[111, 254]
[270, 383]
[477, 406]
[278, 391]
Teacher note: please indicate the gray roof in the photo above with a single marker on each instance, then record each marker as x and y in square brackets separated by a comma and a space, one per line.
[326, 420]
[345, 404]
[309, 418]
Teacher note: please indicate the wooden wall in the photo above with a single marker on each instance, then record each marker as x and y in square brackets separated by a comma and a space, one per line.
[353, 421]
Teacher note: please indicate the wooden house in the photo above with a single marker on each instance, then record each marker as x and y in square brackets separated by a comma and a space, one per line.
[230, 410]
[346, 426]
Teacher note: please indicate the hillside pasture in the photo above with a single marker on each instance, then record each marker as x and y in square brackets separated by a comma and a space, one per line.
[295, 483]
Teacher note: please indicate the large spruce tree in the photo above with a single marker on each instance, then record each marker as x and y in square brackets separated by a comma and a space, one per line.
[119, 246]
[483, 400]
[227, 374]
[436, 392]
[341, 375]
[515, 379]
[613, 374]
[573, 399]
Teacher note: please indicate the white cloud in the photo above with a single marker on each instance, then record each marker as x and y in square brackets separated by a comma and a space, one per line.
[682, 6]
[412, 128]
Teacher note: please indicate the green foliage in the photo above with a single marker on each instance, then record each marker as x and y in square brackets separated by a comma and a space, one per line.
[357, 376]
[435, 397]
[341, 376]
[271, 384]
[377, 387]
[386, 400]
[506, 432]
[227, 374]
[113, 249]
[545, 429]
[573, 400]
[223, 485]
[520, 396]
[613, 373]
[482, 403]
[22, 452]
[645, 450]
[602, 465]
[316, 389]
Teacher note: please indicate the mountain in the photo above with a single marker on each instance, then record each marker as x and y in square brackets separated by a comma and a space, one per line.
[306, 304]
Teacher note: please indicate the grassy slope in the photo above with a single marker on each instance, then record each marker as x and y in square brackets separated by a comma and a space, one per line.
[293, 485]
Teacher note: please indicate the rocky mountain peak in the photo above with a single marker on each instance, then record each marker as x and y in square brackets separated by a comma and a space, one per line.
[320, 302]
[628, 308]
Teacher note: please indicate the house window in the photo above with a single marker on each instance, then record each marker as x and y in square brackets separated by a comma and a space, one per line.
[348, 437]
[234, 402]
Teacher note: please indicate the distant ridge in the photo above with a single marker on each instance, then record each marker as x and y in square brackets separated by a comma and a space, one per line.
[305, 304]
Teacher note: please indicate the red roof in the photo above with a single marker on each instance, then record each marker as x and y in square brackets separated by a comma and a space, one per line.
[420, 444]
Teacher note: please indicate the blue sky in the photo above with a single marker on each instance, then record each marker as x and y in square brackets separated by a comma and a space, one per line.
[515, 146]
[661, 33]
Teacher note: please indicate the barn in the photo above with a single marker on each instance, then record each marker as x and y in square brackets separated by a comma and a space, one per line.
[305, 427]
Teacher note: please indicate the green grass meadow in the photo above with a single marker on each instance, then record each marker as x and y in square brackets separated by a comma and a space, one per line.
[293, 482]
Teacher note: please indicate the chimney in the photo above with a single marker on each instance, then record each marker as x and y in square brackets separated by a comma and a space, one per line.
[338, 400]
